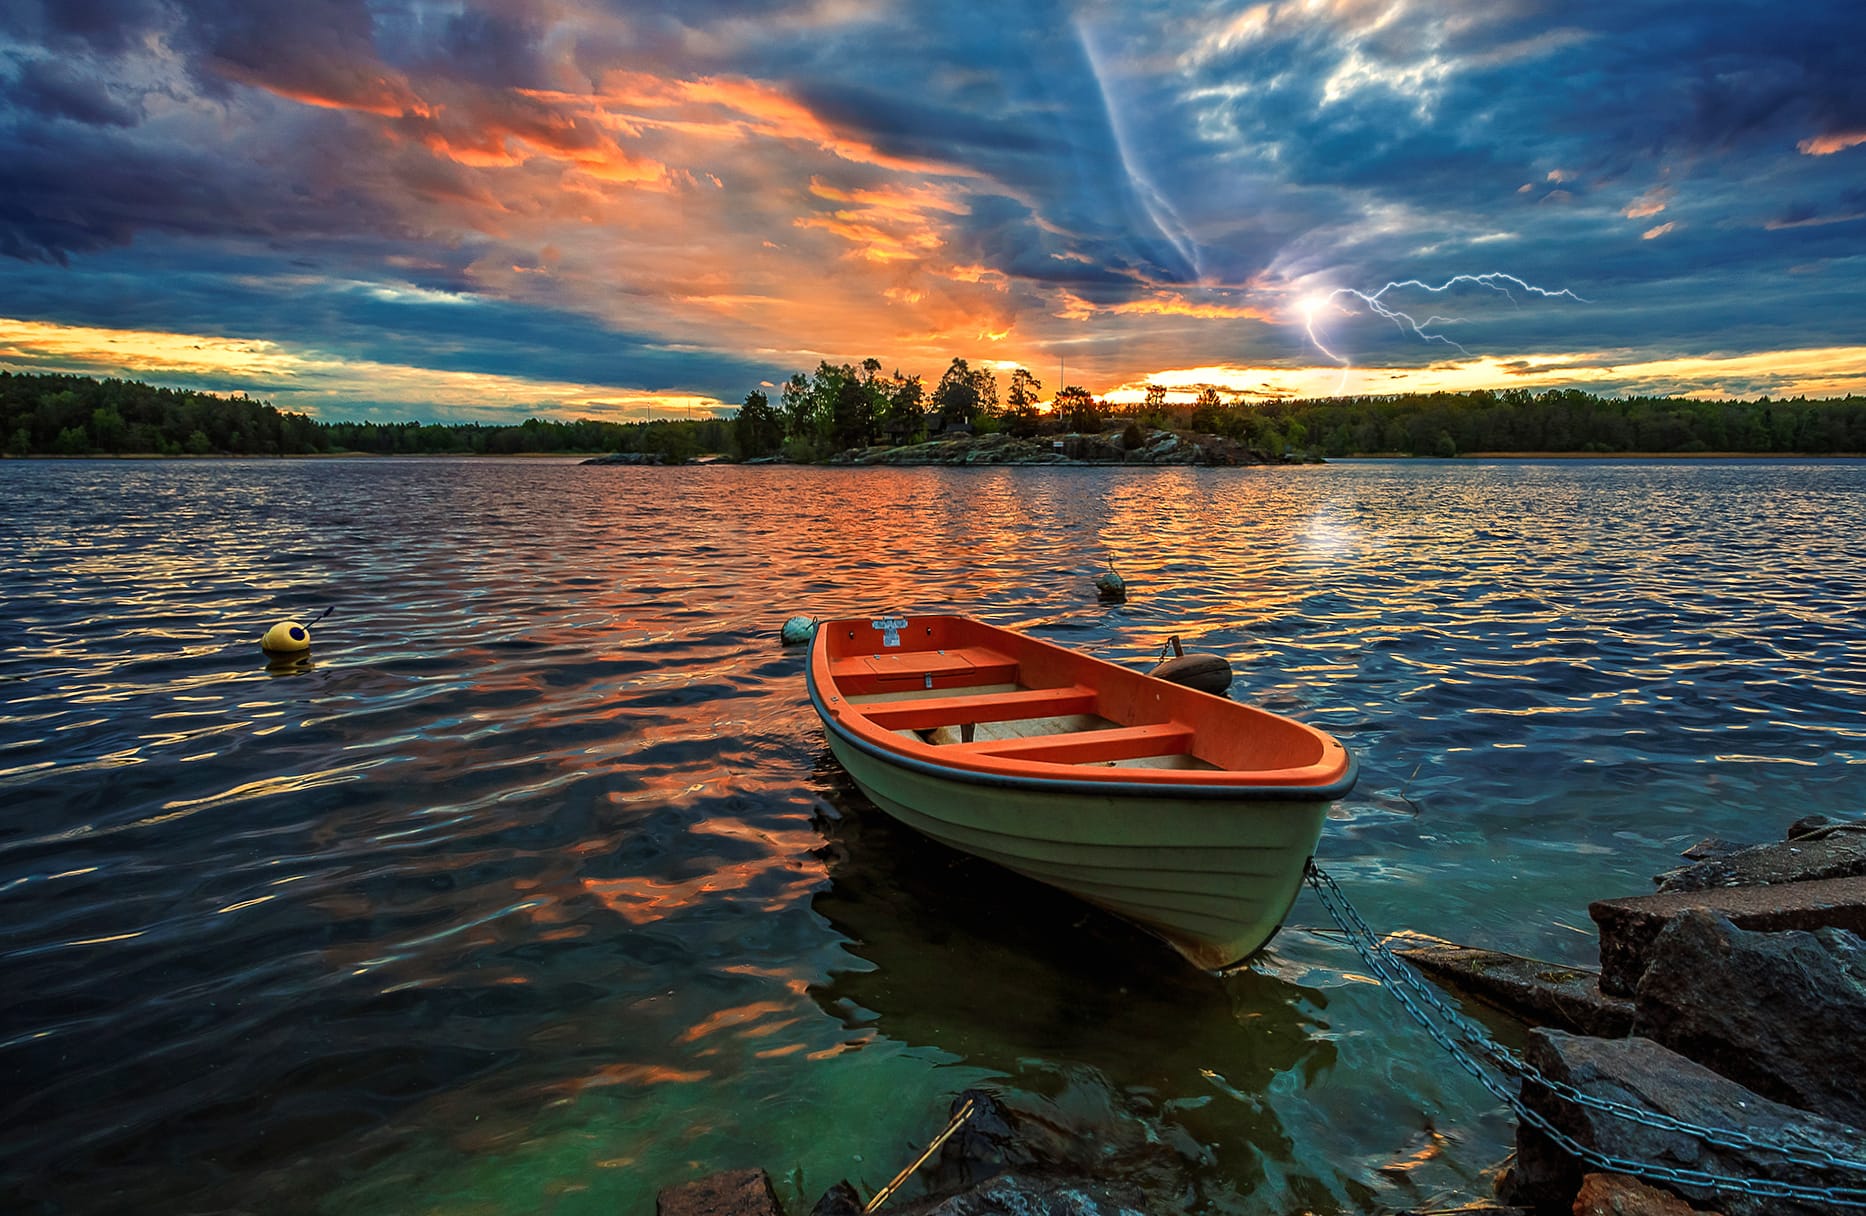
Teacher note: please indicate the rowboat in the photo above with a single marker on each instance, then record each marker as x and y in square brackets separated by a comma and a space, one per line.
[1191, 815]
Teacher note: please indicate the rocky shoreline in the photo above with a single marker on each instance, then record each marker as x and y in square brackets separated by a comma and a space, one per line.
[1731, 999]
[1134, 446]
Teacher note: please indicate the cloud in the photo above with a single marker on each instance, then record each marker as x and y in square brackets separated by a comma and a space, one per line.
[719, 193]
[305, 380]
[56, 90]
[1827, 145]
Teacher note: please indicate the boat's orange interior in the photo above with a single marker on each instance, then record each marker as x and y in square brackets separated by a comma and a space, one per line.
[963, 692]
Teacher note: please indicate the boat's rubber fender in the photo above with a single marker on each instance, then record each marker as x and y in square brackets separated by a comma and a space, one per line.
[1205, 672]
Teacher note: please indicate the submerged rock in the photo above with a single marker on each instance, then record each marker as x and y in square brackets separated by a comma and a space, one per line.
[1536, 992]
[1781, 1013]
[1082, 1155]
[727, 1193]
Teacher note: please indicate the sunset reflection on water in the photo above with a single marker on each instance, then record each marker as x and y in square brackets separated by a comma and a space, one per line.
[538, 886]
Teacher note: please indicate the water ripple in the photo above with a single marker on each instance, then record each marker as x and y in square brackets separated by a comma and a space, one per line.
[536, 885]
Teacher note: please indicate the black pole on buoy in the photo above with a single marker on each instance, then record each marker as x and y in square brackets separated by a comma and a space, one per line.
[1111, 588]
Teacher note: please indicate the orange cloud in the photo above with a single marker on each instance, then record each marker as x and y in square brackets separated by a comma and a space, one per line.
[730, 108]
[1653, 234]
[379, 92]
[1835, 141]
[310, 381]
[1651, 202]
[1161, 304]
[1813, 372]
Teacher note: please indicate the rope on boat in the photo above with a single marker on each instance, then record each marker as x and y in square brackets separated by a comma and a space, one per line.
[1496, 1066]
[953, 1125]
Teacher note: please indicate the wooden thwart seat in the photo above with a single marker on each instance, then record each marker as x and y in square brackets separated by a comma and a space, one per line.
[922, 669]
[1085, 747]
[982, 707]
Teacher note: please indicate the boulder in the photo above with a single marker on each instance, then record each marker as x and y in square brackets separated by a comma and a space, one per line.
[1087, 1154]
[1530, 990]
[727, 1193]
[1829, 854]
[1710, 846]
[1017, 1194]
[1642, 1074]
[839, 1200]
[1621, 1195]
[1781, 1013]
[1628, 927]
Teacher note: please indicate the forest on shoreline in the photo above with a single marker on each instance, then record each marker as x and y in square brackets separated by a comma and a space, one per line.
[840, 407]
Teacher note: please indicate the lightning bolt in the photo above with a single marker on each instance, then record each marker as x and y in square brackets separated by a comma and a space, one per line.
[1495, 280]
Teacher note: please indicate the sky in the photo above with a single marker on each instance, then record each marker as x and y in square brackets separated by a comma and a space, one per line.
[498, 209]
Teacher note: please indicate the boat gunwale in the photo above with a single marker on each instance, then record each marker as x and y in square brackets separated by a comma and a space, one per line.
[1171, 783]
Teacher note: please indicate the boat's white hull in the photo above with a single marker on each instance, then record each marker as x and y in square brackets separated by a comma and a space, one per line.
[1212, 876]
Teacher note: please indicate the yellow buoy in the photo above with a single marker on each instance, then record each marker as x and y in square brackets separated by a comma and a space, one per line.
[286, 637]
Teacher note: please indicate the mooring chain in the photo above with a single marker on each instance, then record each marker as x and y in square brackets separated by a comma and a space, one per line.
[1410, 989]
[1404, 980]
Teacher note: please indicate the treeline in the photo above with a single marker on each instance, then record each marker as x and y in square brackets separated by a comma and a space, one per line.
[58, 415]
[841, 407]
[1560, 420]
[847, 406]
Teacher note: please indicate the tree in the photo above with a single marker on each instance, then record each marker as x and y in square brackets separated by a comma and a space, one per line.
[1078, 410]
[757, 427]
[1020, 415]
[852, 406]
[803, 413]
[1153, 409]
[904, 418]
[955, 398]
[1205, 411]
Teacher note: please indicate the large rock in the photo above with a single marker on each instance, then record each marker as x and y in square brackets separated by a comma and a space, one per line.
[1621, 1195]
[1782, 1013]
[1642, 1074]
[727, 1193]
[1830, 854]
[1530, 990]
[1076, 1157]
[1023, 1195]
[1628, 927]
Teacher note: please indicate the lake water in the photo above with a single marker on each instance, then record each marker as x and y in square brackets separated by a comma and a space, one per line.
[538, 891]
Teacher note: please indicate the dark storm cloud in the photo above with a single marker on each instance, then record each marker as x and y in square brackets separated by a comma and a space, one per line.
[106, 26]
[72, 192]
[1093, 154]
[55, 90]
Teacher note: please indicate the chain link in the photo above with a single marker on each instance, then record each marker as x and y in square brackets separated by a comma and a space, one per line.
[1472, 1049]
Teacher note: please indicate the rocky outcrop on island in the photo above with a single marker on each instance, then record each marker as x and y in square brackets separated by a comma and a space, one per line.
[627, 458]
[1131, 447]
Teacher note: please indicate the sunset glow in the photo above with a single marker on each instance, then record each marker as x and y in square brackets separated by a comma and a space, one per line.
[582, 208]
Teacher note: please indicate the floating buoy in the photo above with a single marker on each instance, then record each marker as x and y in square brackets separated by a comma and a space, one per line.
[286, 637]
[798, 630]
[1205, 672]
[1111, 587]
